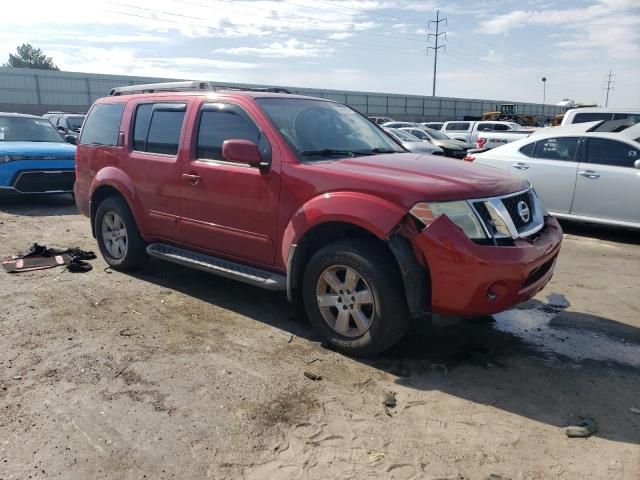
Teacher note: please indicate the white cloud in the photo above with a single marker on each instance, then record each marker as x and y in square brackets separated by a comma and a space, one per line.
[288, 48]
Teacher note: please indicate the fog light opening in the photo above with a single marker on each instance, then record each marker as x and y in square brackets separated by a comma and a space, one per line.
[496, 291]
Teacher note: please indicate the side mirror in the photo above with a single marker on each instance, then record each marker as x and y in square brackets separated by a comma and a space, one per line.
[242, 151]
[637, 164]
[70, 139]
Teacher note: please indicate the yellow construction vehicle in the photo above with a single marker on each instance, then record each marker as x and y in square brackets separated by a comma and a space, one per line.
[508, 113]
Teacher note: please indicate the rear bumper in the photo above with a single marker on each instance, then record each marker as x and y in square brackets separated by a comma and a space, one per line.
[470, 279]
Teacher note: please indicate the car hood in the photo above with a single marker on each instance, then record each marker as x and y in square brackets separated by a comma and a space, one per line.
[38, 149]
[451, 144]
[407, 178]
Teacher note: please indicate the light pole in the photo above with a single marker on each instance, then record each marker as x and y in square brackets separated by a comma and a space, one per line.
[544, 89]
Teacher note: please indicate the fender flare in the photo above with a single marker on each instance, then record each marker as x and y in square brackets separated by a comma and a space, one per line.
[369, 212]
[117, 179]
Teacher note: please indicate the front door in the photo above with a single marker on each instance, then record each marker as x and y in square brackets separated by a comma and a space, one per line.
[608, 184]
[229, 208]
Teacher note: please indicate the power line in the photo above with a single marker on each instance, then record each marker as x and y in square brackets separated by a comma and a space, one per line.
[610, 79]
[436, 47]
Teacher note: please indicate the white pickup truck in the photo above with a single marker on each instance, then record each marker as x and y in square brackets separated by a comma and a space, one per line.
[467, 131]
[489, 140]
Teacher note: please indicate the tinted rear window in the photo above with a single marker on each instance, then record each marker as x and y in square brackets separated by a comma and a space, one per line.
[164, 132]
[102, 125]
[458, 126]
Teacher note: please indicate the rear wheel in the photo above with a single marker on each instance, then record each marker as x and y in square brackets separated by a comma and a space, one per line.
[353, 295]
[118, 237]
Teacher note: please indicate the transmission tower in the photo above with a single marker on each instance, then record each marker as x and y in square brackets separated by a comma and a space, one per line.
[610, 81]
[436, 46]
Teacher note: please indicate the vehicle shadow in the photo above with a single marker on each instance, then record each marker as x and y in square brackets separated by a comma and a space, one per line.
[540, 361]
[39, 205]
[601, 232]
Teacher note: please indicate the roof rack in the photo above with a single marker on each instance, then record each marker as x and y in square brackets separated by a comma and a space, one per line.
[187, 86]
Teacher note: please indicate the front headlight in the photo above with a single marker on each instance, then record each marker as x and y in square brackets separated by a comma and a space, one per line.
[459, 213]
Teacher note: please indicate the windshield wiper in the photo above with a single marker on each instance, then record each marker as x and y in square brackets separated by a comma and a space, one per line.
[379, 151]
[327, 152]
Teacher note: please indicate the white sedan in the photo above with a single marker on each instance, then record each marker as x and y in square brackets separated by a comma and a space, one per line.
[580, 175]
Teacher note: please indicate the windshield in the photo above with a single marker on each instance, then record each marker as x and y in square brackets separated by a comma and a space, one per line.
[318, 129]
[75, 121]
[436, 134]
[404, 136]
[25, 129]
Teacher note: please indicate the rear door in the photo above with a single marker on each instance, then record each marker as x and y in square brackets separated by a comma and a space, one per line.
[608, 184]
[550, 165]
[153, 163]
[229, 208]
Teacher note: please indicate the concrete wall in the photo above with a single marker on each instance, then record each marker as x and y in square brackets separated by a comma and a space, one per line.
[39, 91]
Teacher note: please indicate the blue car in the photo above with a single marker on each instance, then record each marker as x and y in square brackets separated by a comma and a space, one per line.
[34, 157]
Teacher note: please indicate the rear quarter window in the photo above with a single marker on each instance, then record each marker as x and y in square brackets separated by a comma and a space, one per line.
[102, 125]
[591, 117]
[458, 126]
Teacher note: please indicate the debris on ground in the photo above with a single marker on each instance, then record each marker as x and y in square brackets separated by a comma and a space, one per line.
[390, 400]
[125, 332]
[375, 456]
[290, 339]
[313, 361]
[39, 257]
[312, 376]
[17, 377]
[635, 410]
[581, 427]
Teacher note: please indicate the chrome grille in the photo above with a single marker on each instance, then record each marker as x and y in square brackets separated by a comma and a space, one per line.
[501, 216]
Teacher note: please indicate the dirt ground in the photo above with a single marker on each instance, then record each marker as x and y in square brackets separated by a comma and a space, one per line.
[173, 373]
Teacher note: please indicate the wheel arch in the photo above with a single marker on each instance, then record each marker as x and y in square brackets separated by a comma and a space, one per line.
[110, 182]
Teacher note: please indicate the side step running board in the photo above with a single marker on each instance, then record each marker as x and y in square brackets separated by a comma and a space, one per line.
[218, 266]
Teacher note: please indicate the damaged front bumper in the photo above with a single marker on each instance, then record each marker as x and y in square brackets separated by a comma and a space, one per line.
[470, 279]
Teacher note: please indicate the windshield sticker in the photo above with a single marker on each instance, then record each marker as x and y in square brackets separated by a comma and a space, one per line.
[343, 109]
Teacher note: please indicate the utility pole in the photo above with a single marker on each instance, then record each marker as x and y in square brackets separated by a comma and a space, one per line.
[436, 46]
[610, 82]
[544, 90]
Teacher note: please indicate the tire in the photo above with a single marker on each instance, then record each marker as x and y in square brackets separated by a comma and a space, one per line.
[387, 314]
[121, 246]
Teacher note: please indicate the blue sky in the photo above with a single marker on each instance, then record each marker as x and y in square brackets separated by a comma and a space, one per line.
[497, 49]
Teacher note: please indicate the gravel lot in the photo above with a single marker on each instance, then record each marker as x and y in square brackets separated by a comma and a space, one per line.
[173, 373]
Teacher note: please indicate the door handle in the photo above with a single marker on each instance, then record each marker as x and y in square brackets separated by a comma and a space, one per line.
[589, 174]
[521, 166]
[191, 177]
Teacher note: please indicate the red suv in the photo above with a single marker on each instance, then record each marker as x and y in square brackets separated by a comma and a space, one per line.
[306, 195]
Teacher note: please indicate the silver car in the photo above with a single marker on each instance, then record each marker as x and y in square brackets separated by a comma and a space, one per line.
[580, 175]
[413, 144]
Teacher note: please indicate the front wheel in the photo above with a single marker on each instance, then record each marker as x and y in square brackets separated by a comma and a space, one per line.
[118, 237]
[353, 295]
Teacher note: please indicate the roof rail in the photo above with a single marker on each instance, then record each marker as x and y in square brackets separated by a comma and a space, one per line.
[187, 86]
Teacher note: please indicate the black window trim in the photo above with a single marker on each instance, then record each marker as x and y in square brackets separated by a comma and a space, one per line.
[165, 106]
[209, 105]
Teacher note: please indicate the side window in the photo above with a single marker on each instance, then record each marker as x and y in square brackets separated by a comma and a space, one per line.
[499, 127]
[458, 126]
[591, 117]
[222, 122]
[102, 125]
[610, 152]
[528, 149]
[560, 148]
[634, 117]
[141, 126]
[486, 127]
[164, 131]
